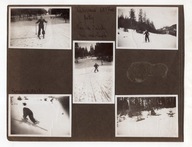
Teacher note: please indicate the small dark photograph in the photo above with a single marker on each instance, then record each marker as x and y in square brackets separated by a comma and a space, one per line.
[93, 72]
[146, 116]
[40, 115]
[40, 27]
[147, 28]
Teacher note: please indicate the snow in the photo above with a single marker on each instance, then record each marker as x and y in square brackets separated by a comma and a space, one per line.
[23, 34]
[151, 126]
[90, 87]
[132, 39]
[51, 115]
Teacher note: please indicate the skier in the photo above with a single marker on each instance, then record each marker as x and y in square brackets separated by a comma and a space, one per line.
[28, 112]
[96, 67]
[41, 26]
[101, 62]
[146, 33]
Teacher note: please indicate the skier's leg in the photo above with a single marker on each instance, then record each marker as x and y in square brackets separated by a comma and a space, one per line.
[25, 113]
[43, 32]
[39, 32]
[32, 118]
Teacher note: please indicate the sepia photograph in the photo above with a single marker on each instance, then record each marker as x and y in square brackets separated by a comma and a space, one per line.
[93, 72]
[147, 28]
[39, 115]
[146, 116]
[40, 27]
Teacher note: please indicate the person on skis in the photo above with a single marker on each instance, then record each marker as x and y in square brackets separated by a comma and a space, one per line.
[96, 67]
[146, 33]
[29, 113]
[41, 22]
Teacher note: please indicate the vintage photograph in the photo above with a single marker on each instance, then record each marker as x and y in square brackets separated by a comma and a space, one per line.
[40, 27]
[146, 116]
[147, 28]
[40, 115]
[93, 72]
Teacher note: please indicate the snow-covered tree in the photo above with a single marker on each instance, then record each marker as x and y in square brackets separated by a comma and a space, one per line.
[140, 16]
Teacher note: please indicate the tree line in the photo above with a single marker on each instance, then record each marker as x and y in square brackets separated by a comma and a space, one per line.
[103, 51]
[64, 13]
[32, 13]
[129, 22]
[133, 105]
[26, 14]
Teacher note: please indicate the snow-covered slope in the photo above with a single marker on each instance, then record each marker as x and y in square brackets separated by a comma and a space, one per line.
[90, 87]
[24, 34]
[161, 125]
[134, 40]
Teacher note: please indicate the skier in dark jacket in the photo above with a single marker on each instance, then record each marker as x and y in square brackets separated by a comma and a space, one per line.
[96, 67]
[41, 22]
[146, 33]
[28, 112]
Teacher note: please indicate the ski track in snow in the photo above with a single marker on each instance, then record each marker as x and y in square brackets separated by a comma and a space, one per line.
[151, 126]
[132, 39]
[24, 34]
[90, 86]
[48, 114]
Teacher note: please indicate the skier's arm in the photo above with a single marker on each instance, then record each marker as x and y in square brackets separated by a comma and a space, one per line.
[44, 20]
[37, 21]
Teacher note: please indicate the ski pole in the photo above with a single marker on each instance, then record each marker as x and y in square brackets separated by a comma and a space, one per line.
[35, 29]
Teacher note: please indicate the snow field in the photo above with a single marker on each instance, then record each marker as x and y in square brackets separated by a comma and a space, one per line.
[90, 86]
[24, 34]
[132, 39]
[151, 126]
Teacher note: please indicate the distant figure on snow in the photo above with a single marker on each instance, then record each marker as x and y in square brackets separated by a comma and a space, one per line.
[28, 112]
[96, 67]
[41, 22]
[146, 33]
[101, 62]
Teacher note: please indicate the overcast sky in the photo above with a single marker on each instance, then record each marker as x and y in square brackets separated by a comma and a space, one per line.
[161, 16]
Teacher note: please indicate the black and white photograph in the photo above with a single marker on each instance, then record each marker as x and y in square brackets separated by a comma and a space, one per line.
[93, 72]
[147, 28]
[146, 115]
[40, 115]
[40, 27]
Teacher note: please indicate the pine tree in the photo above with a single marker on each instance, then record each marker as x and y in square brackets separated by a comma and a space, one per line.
[132, 18]
[144, 17]
[121, 21]
[140, 17]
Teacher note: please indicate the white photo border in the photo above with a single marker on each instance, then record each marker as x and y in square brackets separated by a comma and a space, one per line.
[73, 56]
[170, 95]
[148, 6]
[37, 6]
[28, 135]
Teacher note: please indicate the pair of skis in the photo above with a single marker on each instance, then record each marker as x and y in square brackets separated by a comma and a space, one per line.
[30, 123]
